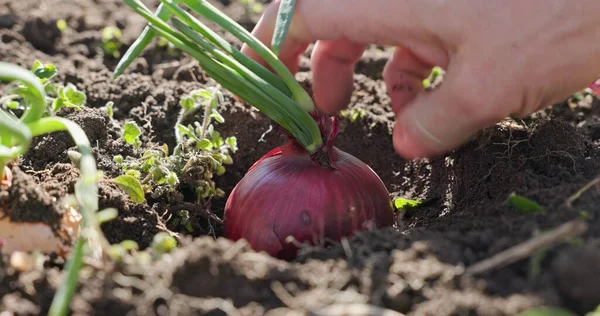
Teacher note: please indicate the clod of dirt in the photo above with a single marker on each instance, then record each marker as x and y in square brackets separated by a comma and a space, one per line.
[30, 219]
[41, 32]
[50, 148]
[28, 202]
[576, 272]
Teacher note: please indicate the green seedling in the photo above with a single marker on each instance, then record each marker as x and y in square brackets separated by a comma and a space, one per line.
[111, 41]
[109, 109]
[352, 114]
[282, 24]
[130, 185]
[523, 205]
[183, 219]
[61, 25]
[56, 95]
[163, 243]
[16, 133]
[401, 203]
[200, 153]
[131, 134]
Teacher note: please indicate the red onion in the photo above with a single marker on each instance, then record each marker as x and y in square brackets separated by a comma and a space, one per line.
[312, 198]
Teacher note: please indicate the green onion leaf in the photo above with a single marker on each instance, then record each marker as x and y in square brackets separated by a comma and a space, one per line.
[204, 8]
[282, 24]
[141, 42]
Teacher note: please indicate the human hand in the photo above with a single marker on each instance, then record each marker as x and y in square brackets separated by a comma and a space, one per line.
[502, 58]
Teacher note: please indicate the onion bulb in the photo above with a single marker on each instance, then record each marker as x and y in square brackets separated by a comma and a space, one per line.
[312, 198]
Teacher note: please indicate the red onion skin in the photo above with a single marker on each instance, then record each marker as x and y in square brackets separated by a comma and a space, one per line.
[289, 193]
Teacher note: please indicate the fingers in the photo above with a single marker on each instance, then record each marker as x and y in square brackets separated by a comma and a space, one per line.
[403, 75]
[439, 121]
[358, 21]
[333, 65]
[291, 50]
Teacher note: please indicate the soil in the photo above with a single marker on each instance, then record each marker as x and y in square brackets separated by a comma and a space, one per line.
[415, 268]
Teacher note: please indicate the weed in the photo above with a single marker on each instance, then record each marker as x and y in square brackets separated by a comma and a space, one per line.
[200, 153]
[111, 41]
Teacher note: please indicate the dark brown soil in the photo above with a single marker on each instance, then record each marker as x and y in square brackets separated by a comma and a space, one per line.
[416, 268]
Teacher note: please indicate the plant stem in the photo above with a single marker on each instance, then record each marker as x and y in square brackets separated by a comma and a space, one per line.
[62, 298]
[206, 118]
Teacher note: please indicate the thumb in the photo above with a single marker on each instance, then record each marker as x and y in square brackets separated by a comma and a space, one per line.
[437, 121]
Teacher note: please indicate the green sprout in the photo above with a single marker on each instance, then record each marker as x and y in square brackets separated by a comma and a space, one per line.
[276, 94]
[183, 219]
[109, 108]
[402, 203]
[131, 134]
[111, 41]
[61, 25]
[16, 135]
[352, 114]
[163, 243]
[523, 205]
[200, 154]
[56, 95]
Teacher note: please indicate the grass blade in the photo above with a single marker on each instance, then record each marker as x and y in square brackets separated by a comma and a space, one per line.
[282, 24]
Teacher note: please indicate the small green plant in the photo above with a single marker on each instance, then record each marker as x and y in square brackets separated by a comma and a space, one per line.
[57, 95]
[200, 153]
[109, 109]
[61, 25]
[16, 133]
[132, 133]
[523, 205]
[163, 243]
[402, 203]
[111, 41]
[352, 114]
